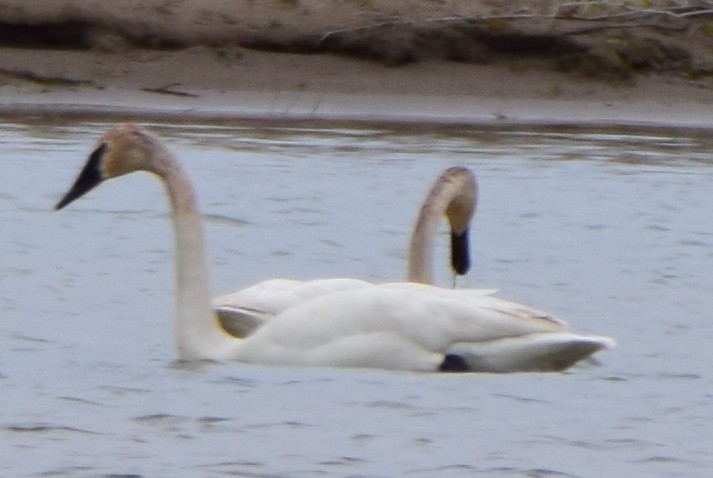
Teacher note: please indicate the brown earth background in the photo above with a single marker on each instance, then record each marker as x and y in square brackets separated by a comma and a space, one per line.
[459, 60]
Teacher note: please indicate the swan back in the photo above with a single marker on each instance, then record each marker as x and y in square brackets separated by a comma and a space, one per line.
[455, 195]
[405, 326]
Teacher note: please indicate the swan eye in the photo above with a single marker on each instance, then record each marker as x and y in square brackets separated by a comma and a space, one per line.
[90, 177]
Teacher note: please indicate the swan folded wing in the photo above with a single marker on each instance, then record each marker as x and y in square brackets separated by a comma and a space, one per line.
[544, 352]
[275, 295]
[267, 296]
[407, 329]
[485, 298]
[525, 312]
[240, 313]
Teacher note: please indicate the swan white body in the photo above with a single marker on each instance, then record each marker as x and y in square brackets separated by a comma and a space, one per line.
[454, 195]
[401, 326]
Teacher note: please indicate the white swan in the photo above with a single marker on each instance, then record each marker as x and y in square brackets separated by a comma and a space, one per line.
[401, 326]
[454, 195]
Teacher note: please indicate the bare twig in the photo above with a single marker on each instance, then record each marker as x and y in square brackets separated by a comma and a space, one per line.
[628, 18]
[34, 77]
[685, 12]
[168, 90]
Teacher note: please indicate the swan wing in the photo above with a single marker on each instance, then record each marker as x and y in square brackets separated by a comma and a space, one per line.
[405, 326]
[269, 296]
[485, 298]
[240, 313]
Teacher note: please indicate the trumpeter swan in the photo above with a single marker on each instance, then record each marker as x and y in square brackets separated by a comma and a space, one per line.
[454, 195]
[400, 326]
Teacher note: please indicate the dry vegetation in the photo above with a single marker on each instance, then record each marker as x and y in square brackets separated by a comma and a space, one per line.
[598, 39]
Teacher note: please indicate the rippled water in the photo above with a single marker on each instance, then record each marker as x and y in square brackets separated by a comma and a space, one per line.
[611, 231]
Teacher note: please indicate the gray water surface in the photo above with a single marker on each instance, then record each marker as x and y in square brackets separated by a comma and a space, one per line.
[611, 231]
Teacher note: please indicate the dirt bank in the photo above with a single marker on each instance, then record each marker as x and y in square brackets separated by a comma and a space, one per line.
[441, 60]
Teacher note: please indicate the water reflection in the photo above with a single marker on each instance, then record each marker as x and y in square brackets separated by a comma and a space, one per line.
[609, 230]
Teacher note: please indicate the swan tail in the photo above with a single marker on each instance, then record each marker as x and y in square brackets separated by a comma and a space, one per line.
[545, 352]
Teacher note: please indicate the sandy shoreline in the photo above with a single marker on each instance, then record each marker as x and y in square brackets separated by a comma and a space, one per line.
[115, 78]
[523, 98]
[130, 105]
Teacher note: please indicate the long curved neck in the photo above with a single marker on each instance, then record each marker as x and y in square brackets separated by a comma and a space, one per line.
[198, 334]
[422, 246]
[454, 194]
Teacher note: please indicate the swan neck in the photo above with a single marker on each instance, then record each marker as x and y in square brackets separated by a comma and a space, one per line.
[198, 333]
[422, 246]
[454, 195]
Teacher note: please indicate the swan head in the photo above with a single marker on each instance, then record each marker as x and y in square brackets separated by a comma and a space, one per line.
[455, 196]
[121, 150]
[459, 212]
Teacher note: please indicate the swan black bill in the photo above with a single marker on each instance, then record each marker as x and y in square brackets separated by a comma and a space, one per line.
[460, 252]
[88, 178]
